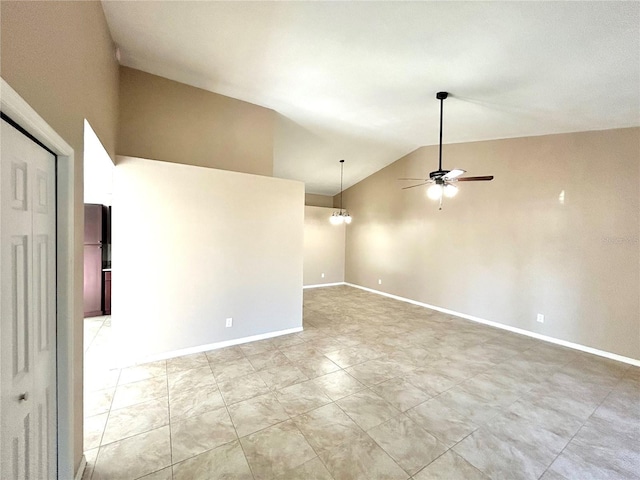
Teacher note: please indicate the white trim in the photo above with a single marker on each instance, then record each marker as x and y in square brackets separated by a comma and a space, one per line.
[21, 112]
[81, 468]
[14, 106]
[217, 345]
[318, 285]
[564, 343]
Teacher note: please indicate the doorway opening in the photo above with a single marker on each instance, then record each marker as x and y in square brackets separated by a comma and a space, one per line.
[100, 376]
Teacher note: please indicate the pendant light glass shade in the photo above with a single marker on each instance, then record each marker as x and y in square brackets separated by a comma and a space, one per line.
[341, 216]
[337, 219]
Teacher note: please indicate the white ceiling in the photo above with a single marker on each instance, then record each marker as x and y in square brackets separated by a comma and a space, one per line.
[357, 80]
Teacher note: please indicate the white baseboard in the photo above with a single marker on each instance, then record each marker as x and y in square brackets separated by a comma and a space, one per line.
[81, 468]
[564, 343]
[323, 285]
[217, 345]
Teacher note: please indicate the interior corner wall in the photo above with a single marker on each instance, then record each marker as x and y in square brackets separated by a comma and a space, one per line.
[170, 121]
[59, 57]
[313, 200]
[193, 246]
[324, 247]
[556, 232]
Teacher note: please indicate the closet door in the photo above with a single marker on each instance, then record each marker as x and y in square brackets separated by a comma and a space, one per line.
[27, 307]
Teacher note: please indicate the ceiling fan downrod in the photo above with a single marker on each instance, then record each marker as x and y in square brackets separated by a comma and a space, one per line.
[441, 96]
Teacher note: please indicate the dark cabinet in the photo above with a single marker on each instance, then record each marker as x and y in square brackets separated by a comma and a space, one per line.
[94, 222]
[92, 280]
[107, 293]
[108, 225]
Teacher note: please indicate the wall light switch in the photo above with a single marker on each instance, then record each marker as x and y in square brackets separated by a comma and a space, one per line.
[540, 318]
[379, 281]
[229, 322]
[322, 275]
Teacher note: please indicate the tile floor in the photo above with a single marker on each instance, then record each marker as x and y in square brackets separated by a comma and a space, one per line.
[373, 388]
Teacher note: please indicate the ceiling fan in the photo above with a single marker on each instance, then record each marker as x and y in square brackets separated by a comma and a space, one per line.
[442, 182]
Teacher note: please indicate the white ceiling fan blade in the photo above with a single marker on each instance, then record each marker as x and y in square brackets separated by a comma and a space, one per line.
[455, 173]
[413, 186]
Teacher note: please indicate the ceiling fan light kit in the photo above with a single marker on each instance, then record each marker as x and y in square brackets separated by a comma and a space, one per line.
[442, 182]
[434, 192]
[340, 216]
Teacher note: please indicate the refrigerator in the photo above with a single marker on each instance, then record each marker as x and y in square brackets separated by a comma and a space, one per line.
[94, 242]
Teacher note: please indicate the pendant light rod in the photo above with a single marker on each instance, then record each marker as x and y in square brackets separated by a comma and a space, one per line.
[342, 216]
[441, 96]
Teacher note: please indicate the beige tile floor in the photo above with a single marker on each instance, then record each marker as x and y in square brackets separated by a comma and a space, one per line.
[373, 388]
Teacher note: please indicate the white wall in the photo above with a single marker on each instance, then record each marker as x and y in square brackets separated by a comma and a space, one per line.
[554, 233]
[193, 246]
[324, 246]
[314, 200]
[98, 169]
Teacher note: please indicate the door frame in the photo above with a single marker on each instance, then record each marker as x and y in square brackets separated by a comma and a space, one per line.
[14, 106]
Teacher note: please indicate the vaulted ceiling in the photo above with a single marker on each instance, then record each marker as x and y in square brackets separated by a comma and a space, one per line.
[357, 80]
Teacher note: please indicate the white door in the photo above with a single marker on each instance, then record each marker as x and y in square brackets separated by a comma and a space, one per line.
[27, 308]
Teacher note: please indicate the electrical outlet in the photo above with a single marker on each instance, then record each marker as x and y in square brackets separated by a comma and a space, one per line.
[540, 318]
[229, 322]
[379, 281]
[322, 275]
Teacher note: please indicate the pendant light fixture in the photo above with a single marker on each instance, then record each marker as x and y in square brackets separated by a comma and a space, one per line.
[341, 216]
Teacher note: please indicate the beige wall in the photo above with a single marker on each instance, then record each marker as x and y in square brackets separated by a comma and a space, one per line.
[59, 57]
[314, 200]
[193, 246]
[508, 249]
[174, 122]
[324, 246]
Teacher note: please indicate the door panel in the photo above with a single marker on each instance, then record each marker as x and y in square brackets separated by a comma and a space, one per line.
[44, 311]
[20, 451]
[44, 435]
[19, 286]
[27, 308]
[41, 290]
[18, 185]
